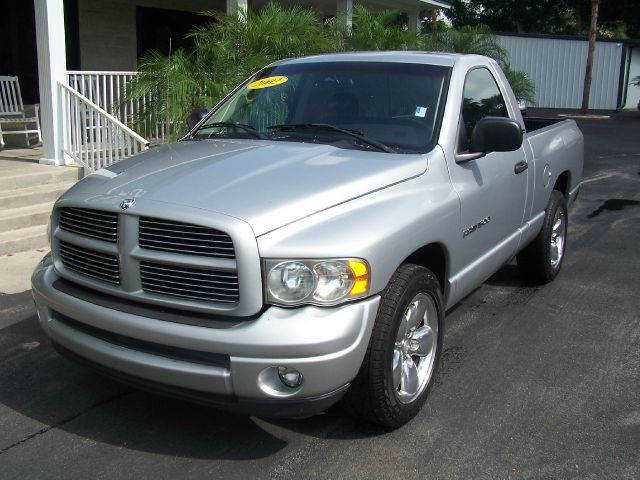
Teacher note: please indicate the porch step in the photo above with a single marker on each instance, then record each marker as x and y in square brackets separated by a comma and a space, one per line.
[23, 239]
[27, 193]
[22, 217]
[22, 197]
[38, 175]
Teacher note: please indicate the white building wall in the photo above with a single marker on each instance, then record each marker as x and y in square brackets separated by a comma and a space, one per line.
[633, 92]
[557, 68]
[108, 29]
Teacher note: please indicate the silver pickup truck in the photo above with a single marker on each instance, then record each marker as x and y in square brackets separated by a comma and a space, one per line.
[302, 243]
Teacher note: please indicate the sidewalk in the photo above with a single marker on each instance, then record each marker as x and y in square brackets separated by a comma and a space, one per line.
[16, 270]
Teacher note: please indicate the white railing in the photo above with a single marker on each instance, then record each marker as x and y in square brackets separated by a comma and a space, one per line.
[108, 90]
[92, 136]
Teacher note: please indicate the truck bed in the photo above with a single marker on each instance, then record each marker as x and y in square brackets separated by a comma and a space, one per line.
[536, 123]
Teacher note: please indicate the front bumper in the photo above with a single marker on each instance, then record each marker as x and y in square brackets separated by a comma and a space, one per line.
[234, 367]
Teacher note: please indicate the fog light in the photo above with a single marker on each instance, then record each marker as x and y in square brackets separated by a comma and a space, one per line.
[290, 377]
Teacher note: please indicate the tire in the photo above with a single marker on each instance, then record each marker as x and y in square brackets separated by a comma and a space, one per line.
[541, 261]
[402, 357]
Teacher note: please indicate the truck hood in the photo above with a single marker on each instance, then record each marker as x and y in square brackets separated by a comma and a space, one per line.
[268, 184]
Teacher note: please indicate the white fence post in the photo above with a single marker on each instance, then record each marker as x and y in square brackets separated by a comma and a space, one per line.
[344, 12]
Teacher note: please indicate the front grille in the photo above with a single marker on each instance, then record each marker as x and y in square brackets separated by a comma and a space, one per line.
[194, 283]
[149, 260]
[178, 237]
[97, 265]
[90, 223]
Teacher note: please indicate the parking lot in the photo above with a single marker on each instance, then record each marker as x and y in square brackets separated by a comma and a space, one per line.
[535, 382]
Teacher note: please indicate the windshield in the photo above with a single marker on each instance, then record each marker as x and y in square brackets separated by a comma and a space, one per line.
[384, 106]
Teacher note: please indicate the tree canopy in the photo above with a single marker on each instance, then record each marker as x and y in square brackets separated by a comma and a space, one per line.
[617, 18]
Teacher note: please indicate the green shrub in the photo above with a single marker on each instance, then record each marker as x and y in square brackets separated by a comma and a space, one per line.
[229, 48]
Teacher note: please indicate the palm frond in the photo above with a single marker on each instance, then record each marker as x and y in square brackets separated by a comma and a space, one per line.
[522, 86]
[379, 30]
[229, 48]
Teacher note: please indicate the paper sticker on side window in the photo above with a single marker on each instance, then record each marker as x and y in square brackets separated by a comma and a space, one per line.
[267, 82]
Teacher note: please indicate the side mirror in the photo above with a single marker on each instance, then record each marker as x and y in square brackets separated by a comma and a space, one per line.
[194, 117]
[492, 134]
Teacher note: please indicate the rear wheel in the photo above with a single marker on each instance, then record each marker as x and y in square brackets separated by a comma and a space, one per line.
[541, 260]
[399, 366]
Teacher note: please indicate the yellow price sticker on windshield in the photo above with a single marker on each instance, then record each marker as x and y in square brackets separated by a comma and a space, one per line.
[267, 82]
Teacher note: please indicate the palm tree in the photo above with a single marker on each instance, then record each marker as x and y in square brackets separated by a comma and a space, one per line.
[250, 40]
[470, 39]
[226, 50]
[229, 48]
[379, 30]
[522, 86]
[169, 87]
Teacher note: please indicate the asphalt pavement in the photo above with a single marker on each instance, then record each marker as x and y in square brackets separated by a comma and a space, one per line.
[535, 382]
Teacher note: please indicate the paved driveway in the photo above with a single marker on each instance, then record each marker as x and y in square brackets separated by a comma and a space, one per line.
[534, 383]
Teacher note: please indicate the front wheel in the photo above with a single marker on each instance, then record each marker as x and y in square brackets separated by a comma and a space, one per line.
[402, 357]
[540, 261]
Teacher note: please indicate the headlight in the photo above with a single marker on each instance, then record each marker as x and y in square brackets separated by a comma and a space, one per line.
[290, 282]
[317, 282]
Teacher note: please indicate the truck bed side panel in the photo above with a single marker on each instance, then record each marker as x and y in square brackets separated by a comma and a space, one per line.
[557, 148]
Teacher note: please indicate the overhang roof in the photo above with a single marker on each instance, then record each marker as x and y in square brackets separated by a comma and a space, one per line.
[402, 4]
[330, 5]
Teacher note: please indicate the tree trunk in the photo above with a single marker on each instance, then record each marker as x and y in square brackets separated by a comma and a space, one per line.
[434, 20]
[592, 47]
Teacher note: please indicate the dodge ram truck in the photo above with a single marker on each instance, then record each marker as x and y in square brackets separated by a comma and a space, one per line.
[301, 244]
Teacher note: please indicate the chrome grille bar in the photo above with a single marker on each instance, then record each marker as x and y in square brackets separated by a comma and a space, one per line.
[178, 237]
[97, 265]
[186, 282]
[90, 223]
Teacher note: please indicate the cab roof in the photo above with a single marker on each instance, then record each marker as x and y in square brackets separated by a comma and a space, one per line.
[430, 58]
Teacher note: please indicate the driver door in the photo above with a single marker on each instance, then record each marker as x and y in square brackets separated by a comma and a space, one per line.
[492, 195]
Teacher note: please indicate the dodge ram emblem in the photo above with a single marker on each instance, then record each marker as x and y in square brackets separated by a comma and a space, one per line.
[126, 203]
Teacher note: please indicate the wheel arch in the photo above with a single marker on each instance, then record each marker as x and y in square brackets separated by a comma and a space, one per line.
[435, 257]
[563, 183]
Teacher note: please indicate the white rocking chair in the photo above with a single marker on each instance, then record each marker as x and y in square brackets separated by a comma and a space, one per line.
[14, 117]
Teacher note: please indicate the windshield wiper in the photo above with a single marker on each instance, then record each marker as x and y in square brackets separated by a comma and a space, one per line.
[241, 126]
[326, 126]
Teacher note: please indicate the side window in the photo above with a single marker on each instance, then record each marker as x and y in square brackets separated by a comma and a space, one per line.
[481, 98]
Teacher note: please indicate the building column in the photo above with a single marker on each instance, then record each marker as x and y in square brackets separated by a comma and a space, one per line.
[52, 68]
[414, 22]
[344, 10]
[240, 5]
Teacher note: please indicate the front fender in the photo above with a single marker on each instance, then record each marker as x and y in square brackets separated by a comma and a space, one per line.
[383, 227]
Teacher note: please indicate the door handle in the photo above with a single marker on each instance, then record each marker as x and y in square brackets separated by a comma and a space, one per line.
[520, 167]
